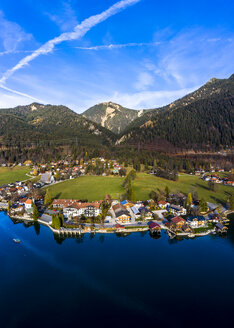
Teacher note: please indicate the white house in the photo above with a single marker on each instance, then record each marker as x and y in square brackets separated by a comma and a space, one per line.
[177, 210]
[78, 209]
[163, 205]
[47, 178]
[197, 222]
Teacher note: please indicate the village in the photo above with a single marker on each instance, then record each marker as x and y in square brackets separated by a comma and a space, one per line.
[177, 214]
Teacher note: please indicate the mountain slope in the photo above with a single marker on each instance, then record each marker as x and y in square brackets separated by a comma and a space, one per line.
[112, 116]
[49, 122]
[200, 120]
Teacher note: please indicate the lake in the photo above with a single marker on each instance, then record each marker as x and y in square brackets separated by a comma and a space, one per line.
[101, 280]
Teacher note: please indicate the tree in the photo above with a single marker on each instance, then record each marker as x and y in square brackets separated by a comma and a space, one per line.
[48, 198]
[35, 212]
[131, 194]
[154, 195]
[61, 217]
[56, 223]
[132, 174]
[167, 191]
[189, 199]
[122, 172]
[203, 205]
[57, 176]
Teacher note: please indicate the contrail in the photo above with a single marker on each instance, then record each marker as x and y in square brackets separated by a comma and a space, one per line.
[79, 31]
[119, 46]
[15, 52]
[20, 93]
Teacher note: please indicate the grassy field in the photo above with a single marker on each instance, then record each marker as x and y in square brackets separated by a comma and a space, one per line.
[8, 175]
[186, 183]
[88, 187]
[95, 188]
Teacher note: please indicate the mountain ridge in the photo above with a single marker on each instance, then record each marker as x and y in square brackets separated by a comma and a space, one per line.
[50, 122]
[112, 116]
[201, 119]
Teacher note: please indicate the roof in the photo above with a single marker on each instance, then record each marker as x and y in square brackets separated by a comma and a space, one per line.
[161, 202]
[143, 209]
[79, 205]
[121, 213]
[74, 203]
[176, 207]
[28, 201]
[62, 202]
[119, 226]
[177, 219]
[154, 225]
[118, 207]
[212, 206]
[220, 226]
[45, 177]
[198, 218]
[135, 210]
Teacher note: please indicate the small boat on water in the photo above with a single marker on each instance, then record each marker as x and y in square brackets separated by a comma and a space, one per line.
[16, 240]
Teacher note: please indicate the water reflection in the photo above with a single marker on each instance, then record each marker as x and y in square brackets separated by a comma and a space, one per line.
[59, 240]
[122, 234]
[37, 228]
[101, 237]
[230, 234]
[155, 235]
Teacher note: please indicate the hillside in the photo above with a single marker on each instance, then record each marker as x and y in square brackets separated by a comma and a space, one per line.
[200, 120]
[47, 122]
[112, 116]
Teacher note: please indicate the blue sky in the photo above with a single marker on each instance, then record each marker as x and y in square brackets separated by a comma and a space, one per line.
[139, 53]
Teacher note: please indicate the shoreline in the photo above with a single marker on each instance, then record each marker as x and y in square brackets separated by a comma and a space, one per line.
[66, 232]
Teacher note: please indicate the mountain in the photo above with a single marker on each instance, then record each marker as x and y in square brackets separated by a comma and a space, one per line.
[112, 116]
[50, 123]
[200, 120]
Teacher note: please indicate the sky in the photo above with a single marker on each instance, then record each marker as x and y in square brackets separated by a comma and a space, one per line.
[137, 53]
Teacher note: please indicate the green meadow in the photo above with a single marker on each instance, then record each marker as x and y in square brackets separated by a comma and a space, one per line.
[18, 173]
[186, 183]
[88, 187]
[96, 187]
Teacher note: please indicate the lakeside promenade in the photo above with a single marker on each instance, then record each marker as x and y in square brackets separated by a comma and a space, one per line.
[69, 232]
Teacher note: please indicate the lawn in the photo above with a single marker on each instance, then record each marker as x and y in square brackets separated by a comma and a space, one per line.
[186, 183]
[88, 187]
[95, 188]
[18, 173]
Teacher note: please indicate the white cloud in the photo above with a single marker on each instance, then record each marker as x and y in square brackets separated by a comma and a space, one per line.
[137, 100]
[194, 56]
[21, 94]
[65, 18]
[9, 100]
[144, 80]
[150, 99]
[78, 32]
[11, 34]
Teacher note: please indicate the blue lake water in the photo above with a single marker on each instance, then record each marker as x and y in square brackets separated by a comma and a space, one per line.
[131, 281]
